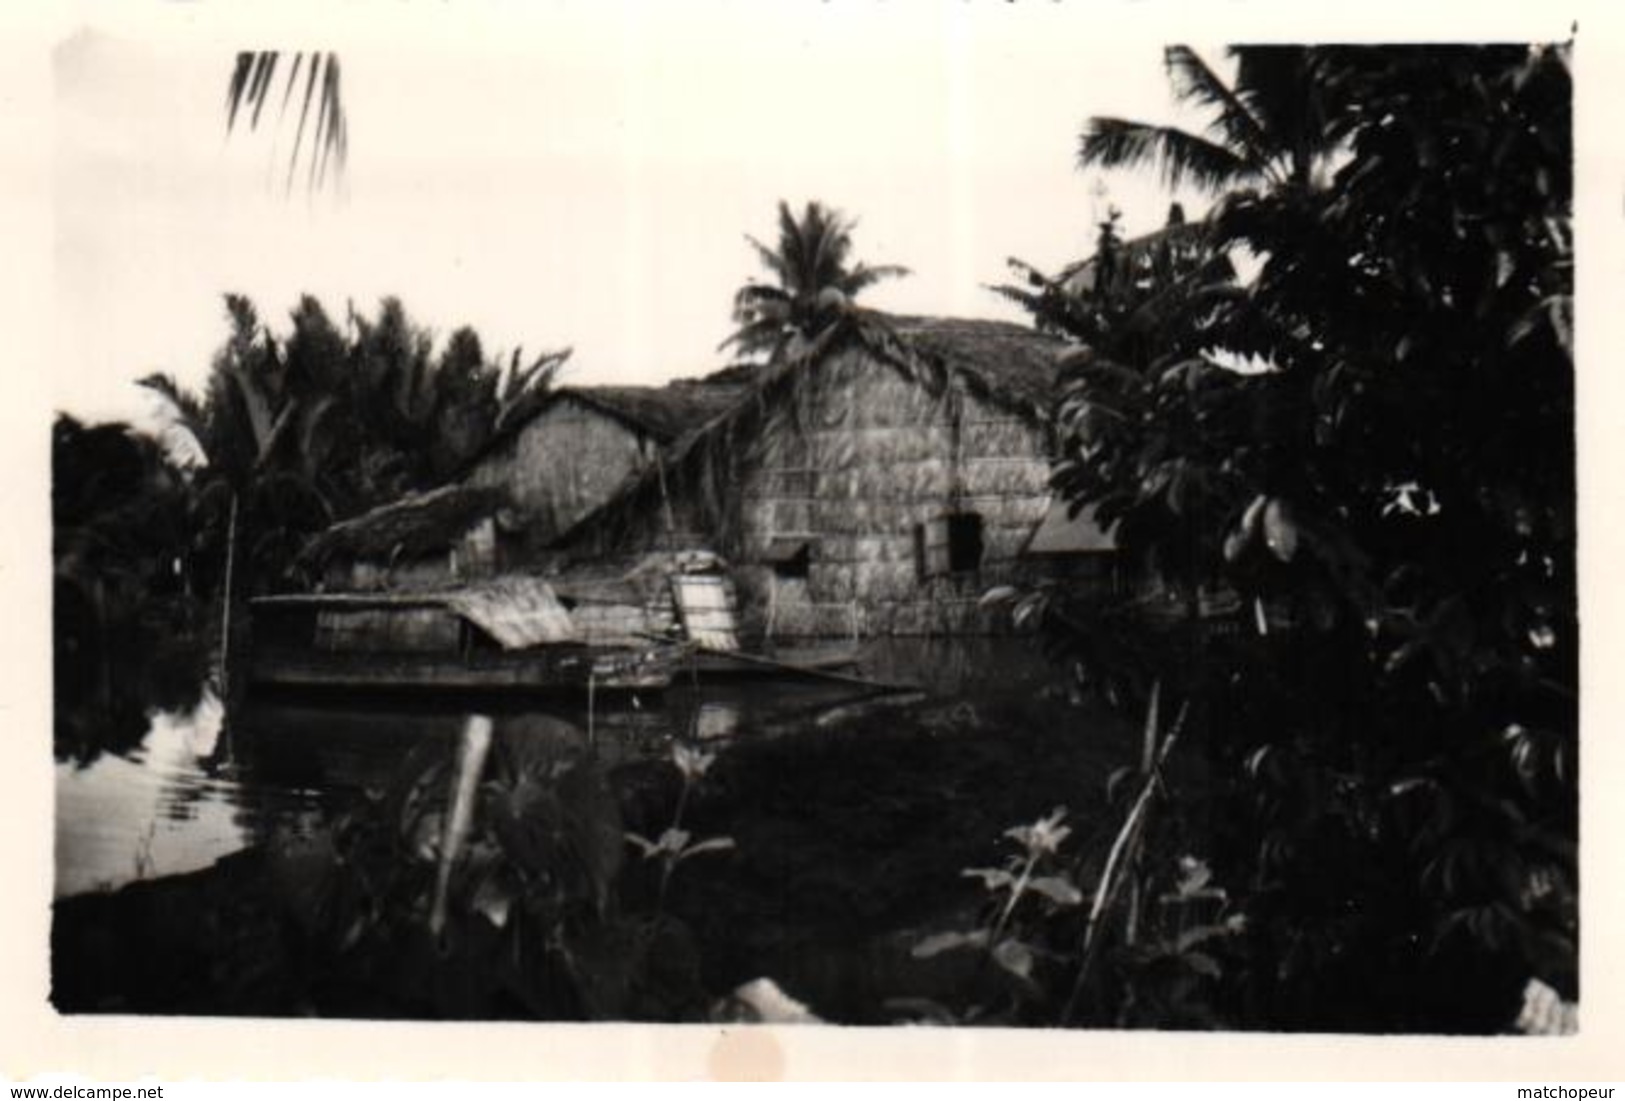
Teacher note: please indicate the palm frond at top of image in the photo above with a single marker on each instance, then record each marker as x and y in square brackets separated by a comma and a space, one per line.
[1180, 156]
[1275, 123]
[317, 77]
[1195, 82]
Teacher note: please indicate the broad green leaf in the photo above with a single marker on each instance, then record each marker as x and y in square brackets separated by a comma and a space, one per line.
[1015, 957]
[992, 878]
[939, 943]
[1280, 531]
[1058, 890]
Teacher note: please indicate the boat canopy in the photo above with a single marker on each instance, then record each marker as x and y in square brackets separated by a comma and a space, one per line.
[516, 611]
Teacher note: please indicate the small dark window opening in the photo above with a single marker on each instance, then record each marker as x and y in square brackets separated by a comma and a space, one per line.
[789, 557]
[964, 542]
[796, 564]
[949, 544]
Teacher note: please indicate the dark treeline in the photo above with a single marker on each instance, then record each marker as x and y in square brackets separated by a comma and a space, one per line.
[289, 434]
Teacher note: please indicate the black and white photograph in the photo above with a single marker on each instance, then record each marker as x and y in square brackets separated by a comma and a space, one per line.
[940, 518]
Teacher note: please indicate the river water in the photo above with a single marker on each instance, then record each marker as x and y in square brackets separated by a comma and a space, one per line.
[199, 788]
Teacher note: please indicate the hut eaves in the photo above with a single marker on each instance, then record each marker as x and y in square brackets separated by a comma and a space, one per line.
[1009, 365]
[417, 525]
[662, 413]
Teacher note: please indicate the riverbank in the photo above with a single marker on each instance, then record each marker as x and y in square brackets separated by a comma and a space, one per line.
[848, 846]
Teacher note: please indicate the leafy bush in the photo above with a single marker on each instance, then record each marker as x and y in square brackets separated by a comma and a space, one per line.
[1355, 479]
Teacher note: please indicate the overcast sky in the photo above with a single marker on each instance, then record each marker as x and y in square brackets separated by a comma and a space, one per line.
[584, 179]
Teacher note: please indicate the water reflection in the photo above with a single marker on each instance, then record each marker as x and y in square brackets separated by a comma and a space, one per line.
[167, 808]
[163, 809]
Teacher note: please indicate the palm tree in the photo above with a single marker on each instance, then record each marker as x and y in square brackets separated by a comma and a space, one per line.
[813, 284]
[298, 432]
[1275, 128]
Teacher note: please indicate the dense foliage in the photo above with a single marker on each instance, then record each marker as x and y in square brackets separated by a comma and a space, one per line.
[1367, 456]
[122, 614]
[290, 434]
[302, 430]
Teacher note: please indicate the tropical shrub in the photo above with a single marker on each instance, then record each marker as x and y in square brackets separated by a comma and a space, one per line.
[488, 883]
[1356, 477]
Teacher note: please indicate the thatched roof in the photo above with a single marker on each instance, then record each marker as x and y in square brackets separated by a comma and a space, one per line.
[414, 526]
[663, 413]
[1006, 364]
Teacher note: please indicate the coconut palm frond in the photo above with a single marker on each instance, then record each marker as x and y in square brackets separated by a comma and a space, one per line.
[1023, 298]
[1274, 125]
[304, 115]
[538, 375]
[184, 405]
[237, 88]
[828, 237]
[252, 80]
[337, 143]
[526, 388]
[762, 334]
[1298, 94]
[184, 422]
[863, 277]
[1194, 82]
[1180, 156]
[755, 298]
[265, 422]
[813, 280]
[770, 259]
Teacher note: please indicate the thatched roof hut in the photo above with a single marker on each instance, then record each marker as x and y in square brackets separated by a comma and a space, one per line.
[576, 449]
[424, 538]
[877, 482]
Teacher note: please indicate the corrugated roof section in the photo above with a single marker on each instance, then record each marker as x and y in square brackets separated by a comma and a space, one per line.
[516, 611]
[1059, 533]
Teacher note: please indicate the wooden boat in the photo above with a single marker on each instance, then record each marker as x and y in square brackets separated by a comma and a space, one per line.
[809, 660]
[687, 599]
[509, 635]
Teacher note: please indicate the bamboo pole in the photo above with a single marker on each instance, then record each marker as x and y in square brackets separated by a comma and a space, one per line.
[592, 685]
[225, 609]
[1121, 852]
[472, 750]
[665, 497]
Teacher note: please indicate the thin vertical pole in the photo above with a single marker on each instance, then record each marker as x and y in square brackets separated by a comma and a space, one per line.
[665, 498]
[225, 609]
[463, 790]
[592, 684]
[225, 623]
